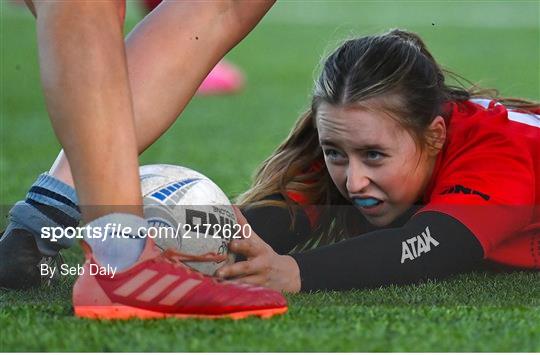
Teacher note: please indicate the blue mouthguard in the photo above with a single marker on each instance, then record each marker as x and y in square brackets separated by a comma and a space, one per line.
[365, 202]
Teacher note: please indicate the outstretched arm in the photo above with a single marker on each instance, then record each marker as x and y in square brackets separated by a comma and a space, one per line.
[431, 245]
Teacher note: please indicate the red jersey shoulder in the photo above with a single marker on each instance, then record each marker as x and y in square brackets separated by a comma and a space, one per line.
[486, 142]
[486, 174]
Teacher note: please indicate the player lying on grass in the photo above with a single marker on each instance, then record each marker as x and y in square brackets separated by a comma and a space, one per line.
[414, 107]
[399, 176]
[93, 85]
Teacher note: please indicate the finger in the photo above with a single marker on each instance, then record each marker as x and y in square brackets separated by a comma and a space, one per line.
[240, 269]
[248, 247]
[257, 280]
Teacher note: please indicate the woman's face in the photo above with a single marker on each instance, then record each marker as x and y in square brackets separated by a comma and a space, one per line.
[373, 161]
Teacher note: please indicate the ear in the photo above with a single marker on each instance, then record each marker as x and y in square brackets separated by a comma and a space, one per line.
[436, 135]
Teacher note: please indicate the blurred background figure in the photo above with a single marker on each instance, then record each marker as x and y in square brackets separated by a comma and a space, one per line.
[225, 78]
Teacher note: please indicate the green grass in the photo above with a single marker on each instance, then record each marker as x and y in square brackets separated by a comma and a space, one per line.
[494, 42]
[477, 312]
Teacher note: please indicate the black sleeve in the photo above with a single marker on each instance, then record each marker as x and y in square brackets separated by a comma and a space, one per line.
[273, 225]
[431, 245]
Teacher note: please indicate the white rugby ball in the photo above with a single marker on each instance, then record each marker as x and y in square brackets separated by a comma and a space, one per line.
[190, 213]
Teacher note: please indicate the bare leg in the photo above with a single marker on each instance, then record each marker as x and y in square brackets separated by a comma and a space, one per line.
[86, 87]
[179, 39]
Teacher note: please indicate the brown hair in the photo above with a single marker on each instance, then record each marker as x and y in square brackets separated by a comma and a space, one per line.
[394, 64]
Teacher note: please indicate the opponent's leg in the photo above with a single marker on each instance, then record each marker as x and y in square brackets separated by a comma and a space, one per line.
[158, 285]
[209, 30]
[207, 33]
[87, 92]
[85, 83]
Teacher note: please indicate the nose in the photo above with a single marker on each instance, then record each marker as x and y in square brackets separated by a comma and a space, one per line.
[357, 179]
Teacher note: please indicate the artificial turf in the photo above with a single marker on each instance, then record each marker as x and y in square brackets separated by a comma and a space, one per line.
[494, 42]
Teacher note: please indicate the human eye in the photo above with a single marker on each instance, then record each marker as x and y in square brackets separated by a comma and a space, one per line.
[374, 156]
[333, 155]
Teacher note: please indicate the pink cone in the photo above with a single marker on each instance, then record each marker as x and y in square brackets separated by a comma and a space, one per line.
[225, 78]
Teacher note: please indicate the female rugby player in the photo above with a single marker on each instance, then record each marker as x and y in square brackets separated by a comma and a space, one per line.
[382, 203]
[399, 176]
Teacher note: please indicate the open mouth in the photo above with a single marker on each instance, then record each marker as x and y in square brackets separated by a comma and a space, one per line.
[367, 203]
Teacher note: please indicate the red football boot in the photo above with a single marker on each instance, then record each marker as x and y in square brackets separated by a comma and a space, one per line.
[159, 286]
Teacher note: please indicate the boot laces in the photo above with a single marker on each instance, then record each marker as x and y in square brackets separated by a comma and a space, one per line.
[175, 256]
[178, 258]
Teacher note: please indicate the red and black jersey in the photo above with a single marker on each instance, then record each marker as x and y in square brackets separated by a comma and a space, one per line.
[483, 200]
[488, 178]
